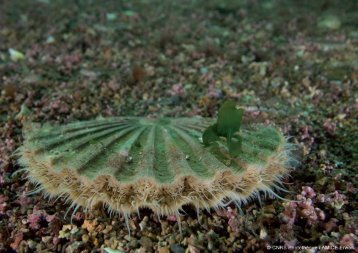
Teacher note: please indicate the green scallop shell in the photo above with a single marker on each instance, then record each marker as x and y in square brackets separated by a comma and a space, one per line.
[128, 163]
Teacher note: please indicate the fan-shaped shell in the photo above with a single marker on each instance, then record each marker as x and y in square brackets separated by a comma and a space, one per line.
[132, 162]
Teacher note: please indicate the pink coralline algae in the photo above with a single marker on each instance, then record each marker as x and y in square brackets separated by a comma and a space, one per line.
[23, 200]
[308, 191]
[171, 218]
[69, 62]
[334, 199]
[34, 220]
[10, 144]
[347, 241]
[37, 216]
[6, 148]
[213, 92]
[308, 211]
[59, 106]
[177, 90]
[290, 213]
[230, 214]
[306, 208]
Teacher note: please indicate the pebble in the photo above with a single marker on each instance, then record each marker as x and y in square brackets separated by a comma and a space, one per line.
[146, 242]
[143, 223]
[163, 250]
[73, 247]
[46, 239]
[32, 244]
[263, 233]
[85, 238]
[16, 55]
[107, 229]
[176, 248]
[210, 245]
[142, 250]
[133, 244]
[74, 230]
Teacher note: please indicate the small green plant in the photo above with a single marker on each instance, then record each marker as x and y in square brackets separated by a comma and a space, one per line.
[227, 125]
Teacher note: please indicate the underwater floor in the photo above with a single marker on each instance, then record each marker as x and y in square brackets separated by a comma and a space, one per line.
[290, 64]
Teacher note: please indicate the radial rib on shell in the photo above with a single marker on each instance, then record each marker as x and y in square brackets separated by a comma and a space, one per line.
[128, 163]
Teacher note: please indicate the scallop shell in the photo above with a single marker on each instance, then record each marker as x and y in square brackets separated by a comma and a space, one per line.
[129, 163]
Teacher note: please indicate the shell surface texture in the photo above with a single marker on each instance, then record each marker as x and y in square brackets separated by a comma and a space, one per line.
[128, 163]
